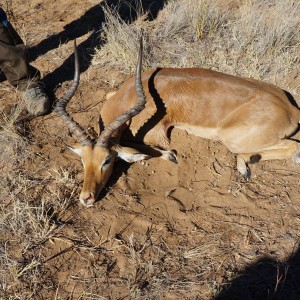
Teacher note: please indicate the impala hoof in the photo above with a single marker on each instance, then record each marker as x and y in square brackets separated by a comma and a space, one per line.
[172, 157]
[296, 156]
[247, 174]
[243, 168]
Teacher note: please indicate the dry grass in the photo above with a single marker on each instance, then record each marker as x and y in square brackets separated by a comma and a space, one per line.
[226, 36]
[155, 270]
[27, 218]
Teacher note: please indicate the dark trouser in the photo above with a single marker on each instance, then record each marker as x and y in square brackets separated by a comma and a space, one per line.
[14, 63]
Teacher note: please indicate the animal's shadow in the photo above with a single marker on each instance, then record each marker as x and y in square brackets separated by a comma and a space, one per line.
[266, 279]
[154, 119]
[120, 167]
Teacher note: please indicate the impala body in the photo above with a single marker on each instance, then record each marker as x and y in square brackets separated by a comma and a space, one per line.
[253, 119]
[246, 115]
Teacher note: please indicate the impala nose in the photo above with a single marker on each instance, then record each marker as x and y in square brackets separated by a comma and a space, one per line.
[87, 200]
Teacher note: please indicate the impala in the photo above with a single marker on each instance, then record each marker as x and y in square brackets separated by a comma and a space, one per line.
[255, 120]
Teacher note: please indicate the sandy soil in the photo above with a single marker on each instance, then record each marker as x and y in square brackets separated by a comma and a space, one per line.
[197, 219]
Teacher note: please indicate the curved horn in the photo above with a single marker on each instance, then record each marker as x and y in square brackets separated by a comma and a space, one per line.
[103, 139]
[60, 107]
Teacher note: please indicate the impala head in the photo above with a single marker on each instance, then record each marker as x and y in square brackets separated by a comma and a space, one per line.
[98, 165]
[98, 155]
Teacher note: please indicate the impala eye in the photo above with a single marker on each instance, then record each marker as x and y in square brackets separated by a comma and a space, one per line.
[107, 161]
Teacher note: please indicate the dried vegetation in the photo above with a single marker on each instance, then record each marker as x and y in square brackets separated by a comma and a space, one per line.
[258, 39]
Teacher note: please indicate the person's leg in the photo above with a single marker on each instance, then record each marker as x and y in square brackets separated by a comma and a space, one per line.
[14, 64]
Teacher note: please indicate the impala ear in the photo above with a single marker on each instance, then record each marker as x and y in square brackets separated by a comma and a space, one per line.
[129, 154]
[77, 148]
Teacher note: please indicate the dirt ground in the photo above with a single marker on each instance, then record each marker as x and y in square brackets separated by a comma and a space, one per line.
[161, 230]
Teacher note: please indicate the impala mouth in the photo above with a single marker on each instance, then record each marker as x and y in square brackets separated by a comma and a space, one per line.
[88, 201]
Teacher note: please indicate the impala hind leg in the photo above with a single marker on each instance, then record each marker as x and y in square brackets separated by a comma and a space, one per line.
[296, 155]
[285, 149]
[242, 161]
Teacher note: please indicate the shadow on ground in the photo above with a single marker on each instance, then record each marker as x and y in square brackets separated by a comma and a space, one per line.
[91, 22]
[120, 167]
[266, 279]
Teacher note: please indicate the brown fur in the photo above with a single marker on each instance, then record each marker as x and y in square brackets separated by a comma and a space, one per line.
[247, 115]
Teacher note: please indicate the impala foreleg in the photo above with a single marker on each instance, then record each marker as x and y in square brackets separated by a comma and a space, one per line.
[129, 154]
[170, 155]
[151, 151]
